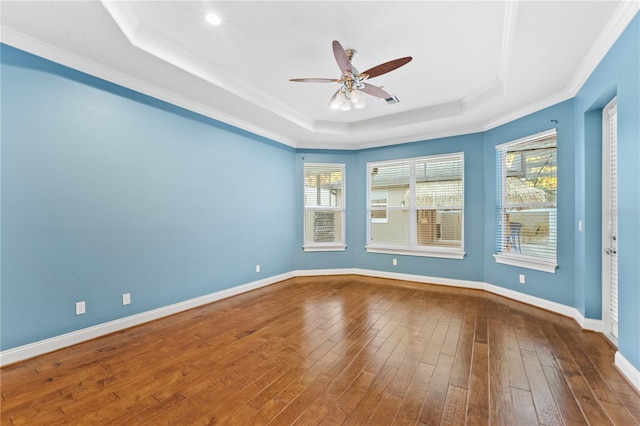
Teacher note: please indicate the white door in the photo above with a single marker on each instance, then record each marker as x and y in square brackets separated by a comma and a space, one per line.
[610, 222]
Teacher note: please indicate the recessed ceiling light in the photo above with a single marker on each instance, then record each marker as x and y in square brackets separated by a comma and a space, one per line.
[213, 19]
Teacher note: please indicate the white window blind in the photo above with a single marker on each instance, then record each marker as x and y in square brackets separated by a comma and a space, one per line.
[526, 209]
[324, 207]
[613, 212]
[424, 206]
[379, 203]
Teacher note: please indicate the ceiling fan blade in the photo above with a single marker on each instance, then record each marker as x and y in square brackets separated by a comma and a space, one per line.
[314, 80]
[375, 91]
[387, 66]
[341, 57]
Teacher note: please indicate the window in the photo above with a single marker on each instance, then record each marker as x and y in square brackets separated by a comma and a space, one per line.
[324, 207]
[526, 213]
[415, 206]
[379, 203]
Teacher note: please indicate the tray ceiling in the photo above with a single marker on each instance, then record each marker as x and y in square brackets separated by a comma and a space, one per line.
[475, 64]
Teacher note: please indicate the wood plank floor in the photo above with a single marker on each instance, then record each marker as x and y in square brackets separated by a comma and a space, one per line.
[332, 350]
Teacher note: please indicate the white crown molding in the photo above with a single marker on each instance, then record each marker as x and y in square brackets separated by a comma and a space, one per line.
[623, 15]
[621, 18]
[459, 131]
[551, 100]
[73, 61]
[68, 59]
[483, 95]
[508, 32]
[124, 16]
[135, 32]
[149, 40]
[428, 113]
[155, 43]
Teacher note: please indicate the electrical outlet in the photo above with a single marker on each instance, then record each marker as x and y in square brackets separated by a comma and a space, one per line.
[80, 308]
[126, 299]
[395, 262]
[257, 268]
[521, 278]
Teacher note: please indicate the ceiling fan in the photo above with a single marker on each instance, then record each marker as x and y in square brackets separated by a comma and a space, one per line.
[352, 83]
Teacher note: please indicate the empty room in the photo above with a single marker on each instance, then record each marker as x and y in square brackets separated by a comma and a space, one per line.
[320, 213]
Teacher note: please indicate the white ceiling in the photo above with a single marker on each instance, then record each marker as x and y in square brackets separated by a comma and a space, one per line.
[475, 65]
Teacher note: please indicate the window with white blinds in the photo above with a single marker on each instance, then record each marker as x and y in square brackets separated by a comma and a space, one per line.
[526, 209]
[324, 213]
[415, 206]
[379, 203]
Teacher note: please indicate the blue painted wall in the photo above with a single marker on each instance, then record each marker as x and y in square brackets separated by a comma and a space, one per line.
[333, 259]
[356, 256]
[106, 191]
[558, 287]
[577, 281]
[469, 268]
[618, 74]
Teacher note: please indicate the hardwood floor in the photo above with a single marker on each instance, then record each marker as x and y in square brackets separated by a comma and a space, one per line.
[332, 350]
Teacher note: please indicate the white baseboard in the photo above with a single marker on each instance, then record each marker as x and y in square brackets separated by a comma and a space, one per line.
[628, 370]
[324, 272]
[58, 342]
[587, 324]
[421, 279]
[591, 324]
[31, 350]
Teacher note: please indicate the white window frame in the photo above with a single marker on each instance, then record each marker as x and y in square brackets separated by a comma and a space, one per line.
[413, 249]
[384, 219]
[325, 246]
[516, 259]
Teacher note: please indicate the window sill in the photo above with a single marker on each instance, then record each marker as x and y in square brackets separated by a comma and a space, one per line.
[527, 262]
[431, 252]
[324, 247]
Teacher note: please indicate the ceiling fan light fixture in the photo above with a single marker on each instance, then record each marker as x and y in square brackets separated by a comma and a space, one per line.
[337, 100]
[355, 96]
[213, 19]
[362, 102]
[346, 106]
